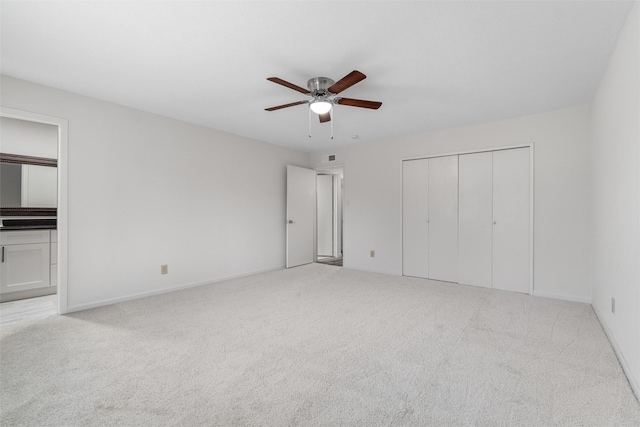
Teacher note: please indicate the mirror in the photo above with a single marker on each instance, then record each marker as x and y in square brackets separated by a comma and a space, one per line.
[28, 184]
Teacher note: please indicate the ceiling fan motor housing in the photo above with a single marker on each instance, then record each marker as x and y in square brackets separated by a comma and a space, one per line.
[318, 86]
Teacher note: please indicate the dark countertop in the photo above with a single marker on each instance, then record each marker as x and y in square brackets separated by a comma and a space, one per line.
[27, 227]
[28, 224]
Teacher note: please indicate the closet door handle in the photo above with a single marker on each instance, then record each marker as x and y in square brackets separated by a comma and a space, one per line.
[3, 254]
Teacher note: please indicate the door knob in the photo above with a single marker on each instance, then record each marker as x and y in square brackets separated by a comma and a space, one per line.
[289, 221]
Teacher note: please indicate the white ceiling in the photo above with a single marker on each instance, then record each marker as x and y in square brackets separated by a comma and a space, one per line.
[432, 64]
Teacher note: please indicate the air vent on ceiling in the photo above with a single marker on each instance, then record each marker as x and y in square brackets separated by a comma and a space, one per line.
[328, 158]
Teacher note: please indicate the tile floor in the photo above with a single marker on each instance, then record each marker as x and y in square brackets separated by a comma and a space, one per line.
[26, 309]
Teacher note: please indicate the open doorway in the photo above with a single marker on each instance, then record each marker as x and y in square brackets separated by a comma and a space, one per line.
[329, 222]
[33, 226]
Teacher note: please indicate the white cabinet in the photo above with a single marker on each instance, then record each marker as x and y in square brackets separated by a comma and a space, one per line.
[25, 260]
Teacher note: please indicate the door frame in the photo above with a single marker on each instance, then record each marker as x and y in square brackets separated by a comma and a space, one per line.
[334, 210]
[63, 207]
[332, 169]
[531, 146]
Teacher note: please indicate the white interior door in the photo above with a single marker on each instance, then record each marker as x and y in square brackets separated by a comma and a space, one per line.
[443, 218]
[325, 215]
[301, 205]
[415, 216]
[511, 211]
[475, 219]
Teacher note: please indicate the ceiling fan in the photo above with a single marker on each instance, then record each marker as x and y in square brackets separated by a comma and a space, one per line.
[323, 90]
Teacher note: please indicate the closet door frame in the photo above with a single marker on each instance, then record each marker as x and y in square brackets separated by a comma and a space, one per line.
[529, 145]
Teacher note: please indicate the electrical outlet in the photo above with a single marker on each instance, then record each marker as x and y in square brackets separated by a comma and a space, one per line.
[613, 305]
[164, 269]
[372, 254]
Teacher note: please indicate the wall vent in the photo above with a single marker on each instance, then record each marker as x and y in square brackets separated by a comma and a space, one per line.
[328, 158]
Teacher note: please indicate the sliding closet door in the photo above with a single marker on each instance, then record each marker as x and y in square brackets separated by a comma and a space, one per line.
[415, 213]
[511, 211]
[443, 218]
[475, 219]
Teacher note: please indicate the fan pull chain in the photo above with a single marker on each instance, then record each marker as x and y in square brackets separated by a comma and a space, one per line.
[333, 117]
[309, 121]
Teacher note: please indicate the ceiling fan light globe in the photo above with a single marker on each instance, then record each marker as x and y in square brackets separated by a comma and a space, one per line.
[320, 107]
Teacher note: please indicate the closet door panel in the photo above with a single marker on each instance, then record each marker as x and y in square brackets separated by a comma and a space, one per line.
[475, 227]
[443, 218]
[511, 211]
[415, 213]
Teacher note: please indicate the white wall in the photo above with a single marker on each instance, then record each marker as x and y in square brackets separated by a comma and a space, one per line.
[616, 198]
[562, 264]
[28, 138]
[145, 190]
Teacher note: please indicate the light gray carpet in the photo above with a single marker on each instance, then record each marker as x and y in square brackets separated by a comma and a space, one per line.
[317, 345]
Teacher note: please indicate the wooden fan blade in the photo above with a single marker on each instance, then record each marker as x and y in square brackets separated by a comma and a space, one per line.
[286, 105]
[374, 105]
[347, 81]
[287, 84]
[326, 117]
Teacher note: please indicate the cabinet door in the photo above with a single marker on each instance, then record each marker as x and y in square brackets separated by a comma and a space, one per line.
[415, 214]
[443, 218]
[475, 219]
[511, 215]
[24, 267]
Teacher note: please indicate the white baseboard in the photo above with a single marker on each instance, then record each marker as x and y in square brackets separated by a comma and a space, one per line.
[561, 297]
[623, 362]
[101, 303]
